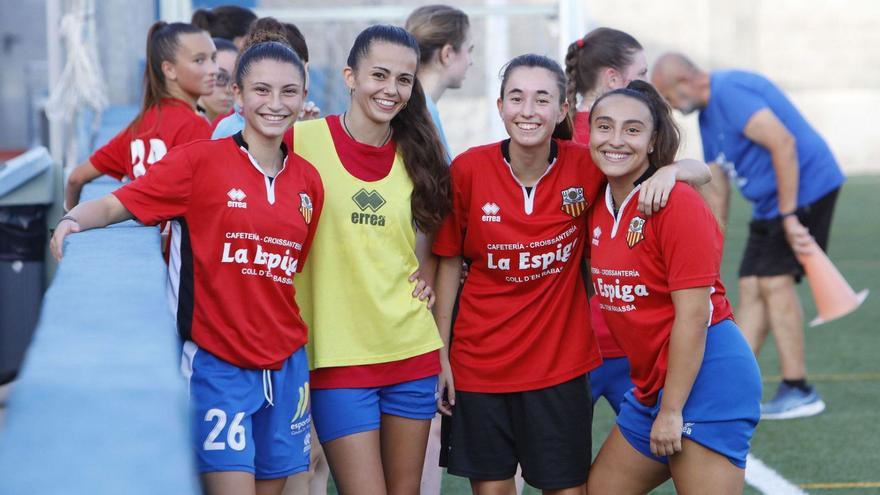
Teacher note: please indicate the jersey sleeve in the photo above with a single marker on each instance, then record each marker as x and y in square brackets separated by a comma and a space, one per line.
[164, 192]
[450, 237]
[315, 190]
[112, 158]
[738, 103]
[689, 239]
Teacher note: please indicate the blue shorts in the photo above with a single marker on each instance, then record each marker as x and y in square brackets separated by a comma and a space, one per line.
[256, 421]
[612, 381]
[345, 411]
[723, 408]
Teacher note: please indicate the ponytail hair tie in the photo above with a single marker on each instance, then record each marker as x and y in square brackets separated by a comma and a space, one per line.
[579, 43]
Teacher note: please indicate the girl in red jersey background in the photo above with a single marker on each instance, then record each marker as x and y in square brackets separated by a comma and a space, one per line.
[697, 388]
[180, 68]
[245, 211]
[373, 347]
[603, 60]
[219, 103]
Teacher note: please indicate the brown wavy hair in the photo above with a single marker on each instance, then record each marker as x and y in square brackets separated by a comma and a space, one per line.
[601, 47]
[417, 139]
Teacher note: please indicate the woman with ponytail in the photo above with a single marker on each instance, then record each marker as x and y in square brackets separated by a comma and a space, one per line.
[603, 60]
[180, 68]
[245, 211]
[374, 346]
[696, 397]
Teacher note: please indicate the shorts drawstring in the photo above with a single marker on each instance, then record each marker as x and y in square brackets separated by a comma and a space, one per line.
[267, 387]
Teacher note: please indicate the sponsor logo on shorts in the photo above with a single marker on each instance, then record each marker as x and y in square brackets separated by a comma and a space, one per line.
[302, 420]
[490, 212]
[687, 429]
[636, 233]
[573, 201]
[236, 198]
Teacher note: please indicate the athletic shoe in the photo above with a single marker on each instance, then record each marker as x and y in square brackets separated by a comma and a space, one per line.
[792, 402]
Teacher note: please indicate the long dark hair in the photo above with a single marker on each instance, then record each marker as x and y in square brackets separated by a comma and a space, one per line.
[666, 134]
[601, 47]
[415, 134]
[563, 130]
[226, 21]
[163, 40]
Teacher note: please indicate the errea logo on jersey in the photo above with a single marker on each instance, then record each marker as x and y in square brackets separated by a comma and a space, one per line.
[236, 198]
[596, 233]
[490, 212]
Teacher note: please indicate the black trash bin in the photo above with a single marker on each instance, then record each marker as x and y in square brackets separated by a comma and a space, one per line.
[22, 274]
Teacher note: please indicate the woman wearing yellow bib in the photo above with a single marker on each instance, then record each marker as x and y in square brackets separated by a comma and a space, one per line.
[373, 346]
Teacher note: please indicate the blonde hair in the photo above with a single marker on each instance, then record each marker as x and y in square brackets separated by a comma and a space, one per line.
[435, 26]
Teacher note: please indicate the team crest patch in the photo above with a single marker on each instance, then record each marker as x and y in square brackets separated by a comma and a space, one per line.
[573, 201]
[305, 207]
[636, 232]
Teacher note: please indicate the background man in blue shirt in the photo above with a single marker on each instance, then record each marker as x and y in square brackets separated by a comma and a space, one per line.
[753, 134]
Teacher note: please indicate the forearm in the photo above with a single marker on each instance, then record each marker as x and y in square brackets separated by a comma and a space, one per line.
[687, 344]
[785, 165]
[446, 289]
[694, 172]
[717, 195]
[79, 177]
[99, 213]
[427, 260]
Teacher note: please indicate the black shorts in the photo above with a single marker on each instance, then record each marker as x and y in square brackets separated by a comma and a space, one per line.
[767, 251]
[546, 431]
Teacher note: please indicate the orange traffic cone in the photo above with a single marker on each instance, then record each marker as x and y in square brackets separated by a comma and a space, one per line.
[833, 296]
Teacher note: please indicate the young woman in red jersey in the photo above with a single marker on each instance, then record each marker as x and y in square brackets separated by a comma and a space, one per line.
[603, 60]
[245, 211]
[180, 68]
[515, 376]
[373, 347]
[523, 343]
[696, 399]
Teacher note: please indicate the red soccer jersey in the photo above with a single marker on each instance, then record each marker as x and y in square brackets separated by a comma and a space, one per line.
[239, 237]
[523, 321]
[638, 262]
[606, 341]
[171, 123]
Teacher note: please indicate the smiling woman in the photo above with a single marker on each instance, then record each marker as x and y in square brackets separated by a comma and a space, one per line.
[515, 374]
[244, 337]
[375, 363]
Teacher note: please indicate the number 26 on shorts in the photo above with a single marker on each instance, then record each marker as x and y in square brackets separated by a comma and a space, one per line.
[235, 436]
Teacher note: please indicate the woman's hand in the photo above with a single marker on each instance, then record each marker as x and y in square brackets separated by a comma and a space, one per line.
[445, 386]
[655, 190]
[309, 111]
[67, 225]
[422, 291]
[666, 433]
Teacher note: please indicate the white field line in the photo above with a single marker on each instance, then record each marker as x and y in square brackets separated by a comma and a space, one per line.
[766, 480]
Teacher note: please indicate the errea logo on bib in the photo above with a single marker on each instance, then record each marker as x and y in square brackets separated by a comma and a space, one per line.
[236, 198]
[490, 212]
